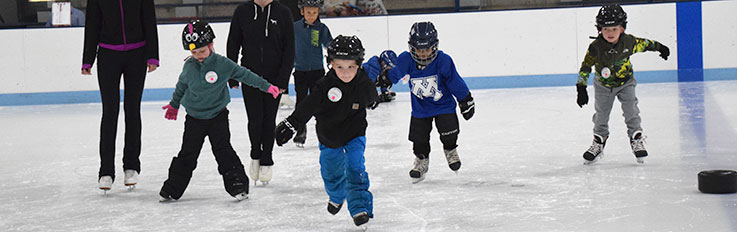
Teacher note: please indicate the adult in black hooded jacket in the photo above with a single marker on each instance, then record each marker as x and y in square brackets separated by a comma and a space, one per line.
[262, 32]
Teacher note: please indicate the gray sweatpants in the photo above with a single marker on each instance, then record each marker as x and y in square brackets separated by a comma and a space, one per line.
[603, 105]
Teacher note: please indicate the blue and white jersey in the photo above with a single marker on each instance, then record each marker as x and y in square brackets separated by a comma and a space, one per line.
[433, 88]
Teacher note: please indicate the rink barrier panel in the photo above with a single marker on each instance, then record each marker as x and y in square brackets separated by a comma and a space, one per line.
[528, 81]
[505, 53]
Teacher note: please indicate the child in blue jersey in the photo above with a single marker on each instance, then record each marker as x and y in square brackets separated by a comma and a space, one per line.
[339, 102]
[435, 86]
[310, 36]
[378, 66]
[202, 89]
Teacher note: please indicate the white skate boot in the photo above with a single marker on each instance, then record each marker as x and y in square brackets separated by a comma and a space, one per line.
[419, 170]
[131, 179]
[596, 151]
[285, 101]
[638, 146]
[264, 174]
[253, 170]
[105, 183]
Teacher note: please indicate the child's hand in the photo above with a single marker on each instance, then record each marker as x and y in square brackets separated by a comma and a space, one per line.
[86, 71]
[275, 91]
[171, 112]
[583, 95]
[284, 131]
[467, 107]
[664, 52]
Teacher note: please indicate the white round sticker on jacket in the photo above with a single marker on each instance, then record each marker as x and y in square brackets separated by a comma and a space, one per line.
[334, 94]
[605, 72]
[211, 77]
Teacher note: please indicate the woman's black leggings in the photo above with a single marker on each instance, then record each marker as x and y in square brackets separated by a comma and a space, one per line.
[110, 66]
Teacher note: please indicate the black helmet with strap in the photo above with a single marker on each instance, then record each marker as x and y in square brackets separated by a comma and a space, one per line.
[611, 15]
[314, 3]
[346, 48]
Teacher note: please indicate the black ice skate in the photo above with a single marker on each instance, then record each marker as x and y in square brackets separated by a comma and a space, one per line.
[596, 151]
[638, 146]
[454, 162]
[360, 219]
[241, 196]
[334, 208]
[419, 170]
[165, 197]
[301, 137]
[387, 96]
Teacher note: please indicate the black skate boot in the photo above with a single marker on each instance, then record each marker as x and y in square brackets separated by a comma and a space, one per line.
[420, 168]
[638, 146]
[165, 197]
[301, 137]
[387, 96]
[334, 208]
[360, 218]
[596, 151]
[454, 162]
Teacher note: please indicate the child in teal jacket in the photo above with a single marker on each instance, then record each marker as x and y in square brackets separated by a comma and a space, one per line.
[203, 90]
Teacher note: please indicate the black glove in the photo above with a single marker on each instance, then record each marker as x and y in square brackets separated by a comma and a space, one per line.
[372, 105]
[383, 80]
[284, 131]
[583, 95]
[664, 52]
[467, 107]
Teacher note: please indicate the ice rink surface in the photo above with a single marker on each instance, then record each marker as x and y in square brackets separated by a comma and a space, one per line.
[522, 170]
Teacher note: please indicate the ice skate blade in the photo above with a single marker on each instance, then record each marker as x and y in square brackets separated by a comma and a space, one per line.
[300, 145]
[241, 197]
[641, 160]
[104, 191]
[165, 199]
[363, 227]
[131, 187]
[417, 180]
[596, 159]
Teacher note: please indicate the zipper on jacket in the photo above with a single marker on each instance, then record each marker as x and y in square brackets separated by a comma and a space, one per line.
[122, 21]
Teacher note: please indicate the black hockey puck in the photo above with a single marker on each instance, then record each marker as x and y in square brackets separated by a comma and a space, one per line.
[718, 181]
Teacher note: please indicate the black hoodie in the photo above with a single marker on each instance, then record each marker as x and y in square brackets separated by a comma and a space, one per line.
[339, 108]
[266, 46]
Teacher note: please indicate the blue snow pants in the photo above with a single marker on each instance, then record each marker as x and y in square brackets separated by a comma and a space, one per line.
[345, 177]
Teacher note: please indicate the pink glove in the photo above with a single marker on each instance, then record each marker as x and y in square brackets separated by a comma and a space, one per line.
[273, 90]
[171, 113]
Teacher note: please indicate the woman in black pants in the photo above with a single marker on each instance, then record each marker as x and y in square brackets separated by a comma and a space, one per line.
[122, 35]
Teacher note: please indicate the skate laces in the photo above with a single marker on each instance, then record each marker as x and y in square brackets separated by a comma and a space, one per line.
[421, 165]
[452, 156]
[595, 148]
[638, 144]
